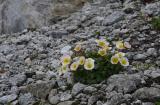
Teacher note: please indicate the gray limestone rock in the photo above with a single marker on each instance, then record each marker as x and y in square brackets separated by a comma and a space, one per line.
[148, 103]
[26, 99]
[17, 15]
[146, 93]
[77, 88]
[40, 89]
[152, 9]
[115, 99]
[18, 79]
[66, 103]
[7, 99]
[139, 57]
[113, 18]
[124, 83]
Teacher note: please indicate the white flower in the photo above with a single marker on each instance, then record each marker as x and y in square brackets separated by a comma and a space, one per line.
[81, 60]
[63, 69]
[78, 47]
[74, 66]
[114, 59]
[102, 52]
[120, 54]
[124, 61]
[89, 64]
[120, 45]
[102, 43]
[66, 59]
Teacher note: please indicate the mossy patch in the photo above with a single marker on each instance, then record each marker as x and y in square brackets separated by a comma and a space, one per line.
[156, 23]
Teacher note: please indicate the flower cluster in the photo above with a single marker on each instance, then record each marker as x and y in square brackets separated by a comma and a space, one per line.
[70, 63]
[120, 56]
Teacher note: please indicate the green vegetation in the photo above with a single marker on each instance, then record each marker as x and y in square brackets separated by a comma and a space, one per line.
[104, 69]
[157, 103]
[156, 23]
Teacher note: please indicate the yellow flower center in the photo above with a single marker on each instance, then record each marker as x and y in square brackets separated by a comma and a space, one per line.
[81, 60]
[101, 43]
[77, 48]
[114, 59]
[89, 65]
[102, 52]
[124, 61]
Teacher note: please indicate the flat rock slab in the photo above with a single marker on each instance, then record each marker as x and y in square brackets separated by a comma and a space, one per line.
[147, 94]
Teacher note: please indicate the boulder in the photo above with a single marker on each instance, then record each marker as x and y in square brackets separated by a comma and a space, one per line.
[17, 15]
[147, 94]
[124, 83]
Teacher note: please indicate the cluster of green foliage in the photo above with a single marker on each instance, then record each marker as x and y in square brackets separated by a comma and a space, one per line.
[157, 103]
[103, 69]
[156, 23]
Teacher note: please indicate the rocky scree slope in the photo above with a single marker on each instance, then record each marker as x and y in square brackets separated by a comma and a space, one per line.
[28, 60]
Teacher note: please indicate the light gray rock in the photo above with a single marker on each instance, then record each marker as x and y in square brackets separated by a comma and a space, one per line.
[89, 89]
[14, 90]
[151, 52]
[148, 103]
[99, 103]
[18, 79]
[54, 97]
[129, 6]
[153, 74]
[124, 83]
[152, 9]
[77, 88]
[92, 100]
[139, 57]
[115, 99]
[137, 102]
[66, 103]
[55, 63]
[114, 17]
[26, 99]
[40, 75]
[40, 89]
[146, 93]
[7, 99]
[65, 96]
[50, 74]
[17, 15]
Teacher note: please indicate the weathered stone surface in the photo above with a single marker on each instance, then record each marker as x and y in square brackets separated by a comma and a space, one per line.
[151, 52]
[92, 100]
[26, 99]
[66, 103]
[18, 79]
[7, 99]
[115, 99]
[65, 96]
[114, 17]
[153, 74]
[152, 9]
[149, 94]
[77, 88]
[124, 83]
[139, 57]
[17, 15]
[40, 89]
[148, 103]
[89, 89]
